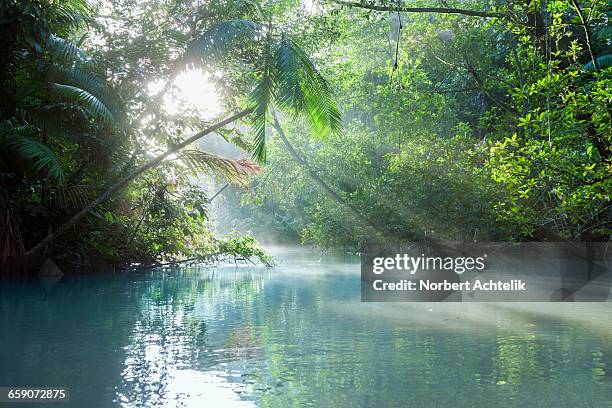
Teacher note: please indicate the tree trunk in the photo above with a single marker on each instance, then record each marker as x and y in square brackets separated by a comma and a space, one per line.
[48, 240]
[210, 200]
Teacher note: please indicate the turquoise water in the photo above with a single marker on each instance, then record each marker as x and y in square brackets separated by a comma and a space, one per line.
[294, 336]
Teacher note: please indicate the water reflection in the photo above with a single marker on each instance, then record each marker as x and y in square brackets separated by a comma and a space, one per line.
[294, 336]
[188, 318]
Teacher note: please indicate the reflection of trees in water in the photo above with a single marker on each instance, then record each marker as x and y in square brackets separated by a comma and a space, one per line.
[318, 357]
[66, 338]
[295, 348]
[158, 345]
[242, 344]
[187, 320]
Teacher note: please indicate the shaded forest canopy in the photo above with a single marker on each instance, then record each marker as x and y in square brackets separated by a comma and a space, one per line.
[458, 120]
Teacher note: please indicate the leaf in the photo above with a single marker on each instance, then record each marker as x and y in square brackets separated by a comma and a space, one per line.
[69, 93]
[302, 91]
[71, 197]
[36, 153]
[58, 119]
[260, 98]
[86, 81]
[603, 61]
[233, 170]
[63, 51]
[218, 42]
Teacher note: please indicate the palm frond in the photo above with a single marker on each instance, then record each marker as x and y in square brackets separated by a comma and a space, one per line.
[242, 143]
[260, 99]
[301, 91]
[69, 93]
[288, 79]
[218, 41]
[63, 51]
[86, 81]
[233, 170]
[72, 197]
[34, 152]
[57, 119]
[235, 137]
[603, 61]
[242, 7]
[73, 13]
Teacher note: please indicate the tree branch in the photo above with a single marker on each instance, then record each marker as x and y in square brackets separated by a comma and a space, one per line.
[439, 10]
[587, 33]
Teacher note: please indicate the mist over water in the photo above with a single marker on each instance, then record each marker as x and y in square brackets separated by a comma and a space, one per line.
[295, 335]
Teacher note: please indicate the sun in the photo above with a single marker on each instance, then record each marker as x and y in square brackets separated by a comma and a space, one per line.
[193, 89]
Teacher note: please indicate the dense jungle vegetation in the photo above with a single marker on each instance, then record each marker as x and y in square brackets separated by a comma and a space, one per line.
[459, 120]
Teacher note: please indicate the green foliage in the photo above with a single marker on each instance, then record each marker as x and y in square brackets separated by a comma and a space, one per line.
[301, 90]
[73, 124]
[289, 79]
[261, 96]
[457, 127]
[63, 51]
[18, 140]
[243, 247]
[72, 94]
[233, 170]
[603, 61]
[490, 129]
[105, 98]
[219, 42]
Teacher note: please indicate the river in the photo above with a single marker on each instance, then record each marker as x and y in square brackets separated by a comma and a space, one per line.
[295, 335]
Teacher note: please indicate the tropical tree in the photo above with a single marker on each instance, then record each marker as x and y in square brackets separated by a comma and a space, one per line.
[286, 79]
[470, 122]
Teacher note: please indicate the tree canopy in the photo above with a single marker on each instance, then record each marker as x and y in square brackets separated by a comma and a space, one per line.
[338, 121]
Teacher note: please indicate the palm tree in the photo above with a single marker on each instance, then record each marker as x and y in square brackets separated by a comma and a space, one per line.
[287, 80]
[70, 96]
[69, 99]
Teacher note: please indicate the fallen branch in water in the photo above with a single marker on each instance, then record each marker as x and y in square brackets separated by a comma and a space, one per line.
[197, 260]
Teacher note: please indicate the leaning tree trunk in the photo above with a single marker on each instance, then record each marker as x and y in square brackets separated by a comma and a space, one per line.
[376, 228]
[125, 180]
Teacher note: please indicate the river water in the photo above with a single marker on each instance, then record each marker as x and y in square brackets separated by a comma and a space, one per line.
[293, 336]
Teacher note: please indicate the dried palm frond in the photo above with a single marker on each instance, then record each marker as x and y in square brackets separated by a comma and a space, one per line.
[71, 197]
[233, 170]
